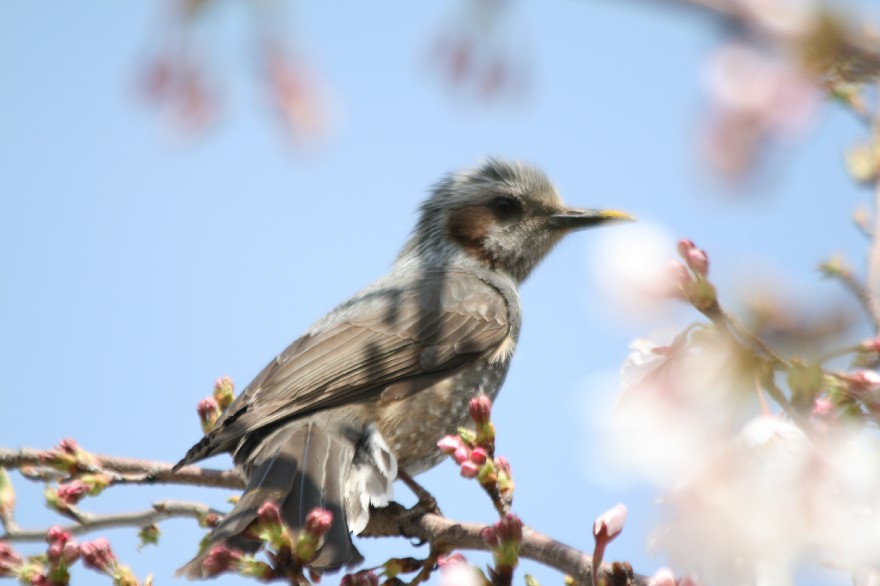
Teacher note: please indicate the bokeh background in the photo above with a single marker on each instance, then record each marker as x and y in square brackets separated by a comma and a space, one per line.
[143, 253]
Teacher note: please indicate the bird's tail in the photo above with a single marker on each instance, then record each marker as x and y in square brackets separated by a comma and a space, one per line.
[301, 466]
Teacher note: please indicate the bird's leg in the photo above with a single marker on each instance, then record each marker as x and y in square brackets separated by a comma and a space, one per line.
[427, 503]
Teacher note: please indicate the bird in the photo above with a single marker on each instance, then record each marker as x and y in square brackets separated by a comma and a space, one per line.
[365, 394]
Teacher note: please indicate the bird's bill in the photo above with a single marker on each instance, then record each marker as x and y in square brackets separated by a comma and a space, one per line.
[573, 219]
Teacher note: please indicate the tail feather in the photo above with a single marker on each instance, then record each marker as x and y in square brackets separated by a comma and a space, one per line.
[266, 482]
[299, 466]
[319, 483]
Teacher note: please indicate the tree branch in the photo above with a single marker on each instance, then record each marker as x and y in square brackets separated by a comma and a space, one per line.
[393, 521]
[850, 51]
[130, 470]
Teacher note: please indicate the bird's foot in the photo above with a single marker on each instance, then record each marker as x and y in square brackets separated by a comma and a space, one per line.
[426, 503]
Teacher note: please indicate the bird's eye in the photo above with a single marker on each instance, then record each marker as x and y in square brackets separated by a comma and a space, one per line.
[504, 206]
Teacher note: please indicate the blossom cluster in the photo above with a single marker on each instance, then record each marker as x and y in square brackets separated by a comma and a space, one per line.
[787, 484]
[53, 567]
[473, 450]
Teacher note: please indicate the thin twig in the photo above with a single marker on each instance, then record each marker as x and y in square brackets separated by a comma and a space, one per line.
[427, 568]
[858, 289]
[777, 395]
[91, 522]
[501, 504]
[872, 286]
[838, 352]
[739, 332]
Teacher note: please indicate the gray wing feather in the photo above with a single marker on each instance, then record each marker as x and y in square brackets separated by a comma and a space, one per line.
[386, 335]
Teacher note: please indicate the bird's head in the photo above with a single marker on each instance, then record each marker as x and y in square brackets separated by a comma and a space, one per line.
[506, 215]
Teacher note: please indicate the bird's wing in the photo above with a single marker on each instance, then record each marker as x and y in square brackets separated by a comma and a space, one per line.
[430, 325]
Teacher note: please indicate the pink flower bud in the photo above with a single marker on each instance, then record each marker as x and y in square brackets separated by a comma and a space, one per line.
[449, 443]
[57, 539]
[606, 527]
[469, 469]
[480, 409]
[872, 345]
[462, 454]
[209, 412]
[318, 522]
[69, 553]
[98, 555]
[56, 534]
[72, 492]
[10, 561]
[823, 408]
[53, 554]
[490, 536]
[680, 280]
[684, 247]
[220, 559]
[503, 464]
[864, 380]
[478, 456]
[698, 261]
[69, 446]
[510, 529]
[269, 513]
[610, 523]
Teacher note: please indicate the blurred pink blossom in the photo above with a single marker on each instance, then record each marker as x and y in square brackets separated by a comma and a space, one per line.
[864, 380]
[755, 99]
[781, 497]
[177, 78]
[662, 577]
[455, 571]
[298, 94]
[177, 84]
[476, 54]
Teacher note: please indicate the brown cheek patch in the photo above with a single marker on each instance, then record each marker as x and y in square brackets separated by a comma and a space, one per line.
[469, 226]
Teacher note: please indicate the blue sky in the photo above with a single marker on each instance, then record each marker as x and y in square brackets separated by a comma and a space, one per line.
[134, 270]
